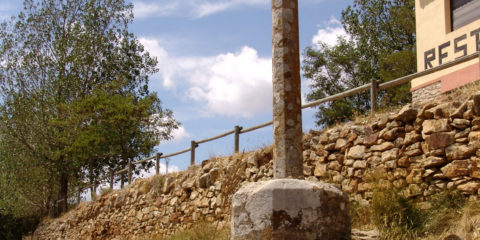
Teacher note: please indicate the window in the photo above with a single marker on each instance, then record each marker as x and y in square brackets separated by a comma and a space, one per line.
[464, 12]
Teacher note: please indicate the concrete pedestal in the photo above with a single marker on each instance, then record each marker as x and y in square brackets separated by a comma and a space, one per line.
[290, 209]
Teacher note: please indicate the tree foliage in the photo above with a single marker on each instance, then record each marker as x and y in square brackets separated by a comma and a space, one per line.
[380, 45]
[74, 102]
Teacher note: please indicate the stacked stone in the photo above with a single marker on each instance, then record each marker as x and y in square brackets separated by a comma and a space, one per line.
[147, 208]
[421, 151]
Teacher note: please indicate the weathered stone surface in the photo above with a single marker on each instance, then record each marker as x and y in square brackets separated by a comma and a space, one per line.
[360, 164]
[460, 123]
[435, 125]
[391, 134]
[341, 143]
[391, 154]
[321, 170]
[439, 140]
[356, 152]
[475, 168]
[433, 161]
[456, 168]
[407, 114]
[264, 210]
[470, 187]
[382, 147]
[423, 112]
[287, 103]
[474, 136]
[457, 151]
[415, 176]
[476, 104]
[411, 137]
[403, 162]
[458, 113]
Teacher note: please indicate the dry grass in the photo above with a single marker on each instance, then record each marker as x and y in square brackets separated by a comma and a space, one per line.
[199, 231]
[399, 218]
[465, 223]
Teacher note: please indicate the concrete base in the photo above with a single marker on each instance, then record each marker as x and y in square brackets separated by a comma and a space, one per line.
[290, 209]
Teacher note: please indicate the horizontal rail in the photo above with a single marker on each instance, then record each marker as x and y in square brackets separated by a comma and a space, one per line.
[176, 153]
[256, 127]
[216, 137]
[407, 78]
[145, 160]
[338, 96]
[392, 83]
[121, 171]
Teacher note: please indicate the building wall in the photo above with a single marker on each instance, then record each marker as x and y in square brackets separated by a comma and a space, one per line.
[438, 44]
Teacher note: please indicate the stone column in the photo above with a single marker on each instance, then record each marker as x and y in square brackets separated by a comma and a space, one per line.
[288, 208]
[287, 105]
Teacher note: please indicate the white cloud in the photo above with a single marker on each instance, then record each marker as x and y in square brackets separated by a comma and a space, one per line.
[142, 9]
[191, 8]
[330, 33]
[236, 84]
[232, 84]
[179, 134]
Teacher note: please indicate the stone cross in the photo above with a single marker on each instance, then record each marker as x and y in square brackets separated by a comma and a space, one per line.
[287, 106]
[286, 208]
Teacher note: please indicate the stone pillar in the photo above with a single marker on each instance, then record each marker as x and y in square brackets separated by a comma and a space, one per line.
[287, 104]
[288, 208]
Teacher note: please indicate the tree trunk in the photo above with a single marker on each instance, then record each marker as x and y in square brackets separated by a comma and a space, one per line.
[92, 181]
[62, 203]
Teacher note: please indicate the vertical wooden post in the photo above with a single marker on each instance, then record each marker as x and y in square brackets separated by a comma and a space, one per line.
[79, 195]
[193, 145]
[112, 178]
[166, 165]
[374, 95]
[237, 138]
[157, 163]
[92, 189]
[130, 170]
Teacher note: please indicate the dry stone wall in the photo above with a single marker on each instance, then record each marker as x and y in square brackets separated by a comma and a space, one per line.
[421, 151]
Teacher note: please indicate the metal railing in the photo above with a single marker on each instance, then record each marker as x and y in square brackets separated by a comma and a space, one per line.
[374, 87]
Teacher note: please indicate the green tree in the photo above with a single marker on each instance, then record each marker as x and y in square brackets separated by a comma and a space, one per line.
[380, 45]
[60, 59]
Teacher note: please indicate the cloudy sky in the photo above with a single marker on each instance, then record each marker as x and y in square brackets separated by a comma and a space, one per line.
[215, 65]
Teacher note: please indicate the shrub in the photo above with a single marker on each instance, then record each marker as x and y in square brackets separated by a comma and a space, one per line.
[12, 227]
[395, 216]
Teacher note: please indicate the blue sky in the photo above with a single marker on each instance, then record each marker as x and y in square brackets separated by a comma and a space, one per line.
[215, 65]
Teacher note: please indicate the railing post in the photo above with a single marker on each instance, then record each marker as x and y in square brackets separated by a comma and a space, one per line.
[130, 169]
[166, 165]
[193, 145]
[374, 95]
[157, 163]
[79, 195]
[237, 138]
[112, 178]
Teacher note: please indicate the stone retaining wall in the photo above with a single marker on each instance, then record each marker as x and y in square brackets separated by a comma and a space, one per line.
[421, 151]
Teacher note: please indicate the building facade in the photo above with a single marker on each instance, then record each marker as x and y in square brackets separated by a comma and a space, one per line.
[446, 30]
